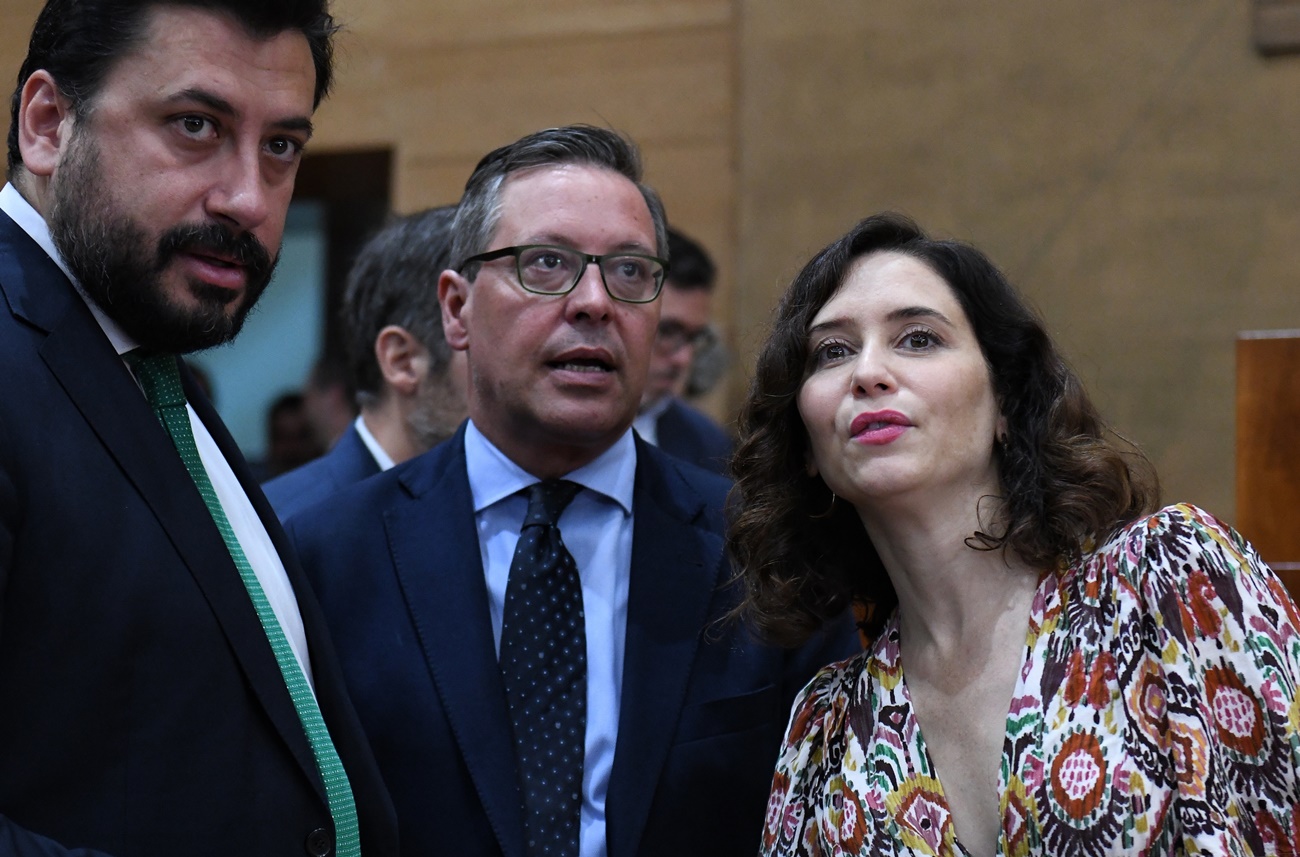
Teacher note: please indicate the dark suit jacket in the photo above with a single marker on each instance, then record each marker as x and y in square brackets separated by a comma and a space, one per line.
[397, 566]
[690, 435]
[347, 462]
[144, 712]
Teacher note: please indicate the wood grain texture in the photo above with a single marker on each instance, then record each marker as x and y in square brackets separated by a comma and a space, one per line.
[1268, 448]
[1131, 165]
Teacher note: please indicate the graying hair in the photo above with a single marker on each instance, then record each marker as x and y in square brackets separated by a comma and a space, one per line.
[480, 206]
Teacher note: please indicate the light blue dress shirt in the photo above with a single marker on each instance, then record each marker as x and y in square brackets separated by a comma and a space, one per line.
[597, 529]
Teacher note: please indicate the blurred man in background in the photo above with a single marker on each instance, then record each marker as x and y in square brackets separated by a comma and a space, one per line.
[665, 420]
[410, 385]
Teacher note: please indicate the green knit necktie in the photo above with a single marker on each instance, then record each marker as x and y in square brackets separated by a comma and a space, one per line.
[161, 381]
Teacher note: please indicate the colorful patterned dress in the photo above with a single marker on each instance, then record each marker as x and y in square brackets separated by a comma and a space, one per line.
[1156, 713]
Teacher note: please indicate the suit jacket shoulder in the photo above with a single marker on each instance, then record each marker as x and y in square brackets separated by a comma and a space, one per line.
[347, 462]
[689, 434]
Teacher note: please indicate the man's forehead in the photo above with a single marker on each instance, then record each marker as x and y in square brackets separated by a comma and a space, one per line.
[561, 201]
[185, 47]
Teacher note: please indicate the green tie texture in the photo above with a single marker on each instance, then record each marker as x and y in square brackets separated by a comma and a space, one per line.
[161, 381]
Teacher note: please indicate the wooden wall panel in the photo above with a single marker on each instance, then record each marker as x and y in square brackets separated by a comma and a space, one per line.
[1268, 448]
[1131, 165]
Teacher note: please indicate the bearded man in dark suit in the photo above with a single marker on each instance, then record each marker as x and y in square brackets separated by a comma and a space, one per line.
[168, 683]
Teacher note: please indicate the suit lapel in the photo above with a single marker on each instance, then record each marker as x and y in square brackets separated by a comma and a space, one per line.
[674, 575]
[435, 552]
[80, 357]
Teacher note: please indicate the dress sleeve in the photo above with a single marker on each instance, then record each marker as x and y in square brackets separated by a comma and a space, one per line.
[1229, 642]
[798, 786]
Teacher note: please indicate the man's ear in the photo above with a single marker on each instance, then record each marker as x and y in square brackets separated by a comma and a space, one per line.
[403, 360]
[453, 295]
[45, 120]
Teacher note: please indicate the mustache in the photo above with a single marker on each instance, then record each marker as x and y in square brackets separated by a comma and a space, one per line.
[218, 240]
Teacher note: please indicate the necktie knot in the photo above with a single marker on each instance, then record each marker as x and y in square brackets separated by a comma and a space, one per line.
[547, 500]
[159, 377]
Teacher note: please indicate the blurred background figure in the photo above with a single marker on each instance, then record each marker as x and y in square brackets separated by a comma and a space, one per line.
[686, 306]
[291, 440]
[329, 400]
[410, 386]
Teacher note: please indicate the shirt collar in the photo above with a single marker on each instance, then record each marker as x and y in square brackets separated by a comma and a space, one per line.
[494, 477]
[655, 409]
[30, 221]
[377, 452]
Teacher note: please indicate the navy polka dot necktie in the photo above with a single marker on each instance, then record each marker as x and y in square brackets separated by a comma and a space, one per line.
[544, 668]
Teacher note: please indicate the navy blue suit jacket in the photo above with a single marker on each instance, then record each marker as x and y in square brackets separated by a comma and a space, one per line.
[397, 566]
[690, 435]
[144, 712]
[347, 462]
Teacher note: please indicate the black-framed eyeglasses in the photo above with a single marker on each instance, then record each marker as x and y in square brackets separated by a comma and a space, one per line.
[548, 269]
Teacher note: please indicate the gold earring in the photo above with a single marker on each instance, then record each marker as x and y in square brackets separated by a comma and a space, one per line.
[827, 513]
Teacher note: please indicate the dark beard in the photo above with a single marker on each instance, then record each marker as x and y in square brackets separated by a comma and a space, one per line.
[110, 257]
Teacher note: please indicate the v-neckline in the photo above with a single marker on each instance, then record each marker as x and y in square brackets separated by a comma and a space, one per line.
[886, 660]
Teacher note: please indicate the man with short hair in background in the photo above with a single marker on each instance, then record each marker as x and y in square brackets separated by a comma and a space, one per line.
[665, 420]
[530, 614]
[168, 683]
[410, 385]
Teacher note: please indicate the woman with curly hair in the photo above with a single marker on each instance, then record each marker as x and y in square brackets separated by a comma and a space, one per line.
[1056, 666]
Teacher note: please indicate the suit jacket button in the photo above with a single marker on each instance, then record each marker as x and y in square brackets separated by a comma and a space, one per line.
[319, 843]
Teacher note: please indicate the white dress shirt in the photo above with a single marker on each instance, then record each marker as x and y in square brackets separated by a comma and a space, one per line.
[597, 530]
[382, 458]
[239, 510]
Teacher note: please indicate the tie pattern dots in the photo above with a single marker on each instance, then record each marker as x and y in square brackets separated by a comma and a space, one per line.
[544, 669]
[161, 381]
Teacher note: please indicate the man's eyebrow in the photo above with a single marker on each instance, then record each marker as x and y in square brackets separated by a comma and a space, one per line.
[556, 240]
[210, 100]
[217, 104]
[300, 124]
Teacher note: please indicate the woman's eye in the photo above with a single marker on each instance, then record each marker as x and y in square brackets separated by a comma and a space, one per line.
[830, 352]
[919, 340]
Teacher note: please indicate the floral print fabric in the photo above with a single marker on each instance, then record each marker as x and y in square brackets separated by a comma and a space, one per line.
[1156, 713]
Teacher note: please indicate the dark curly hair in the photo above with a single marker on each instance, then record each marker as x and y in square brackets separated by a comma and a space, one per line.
[1067, 481]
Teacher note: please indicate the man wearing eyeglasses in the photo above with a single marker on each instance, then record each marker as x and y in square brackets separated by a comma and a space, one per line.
[686, 305]
[529, 614]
